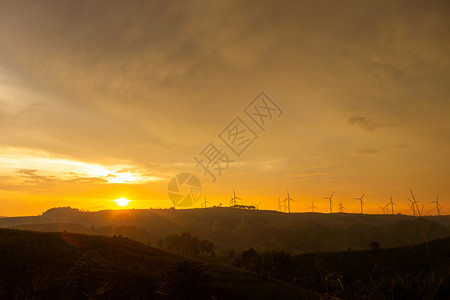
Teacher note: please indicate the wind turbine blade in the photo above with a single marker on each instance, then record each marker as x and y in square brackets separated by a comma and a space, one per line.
[414, 198]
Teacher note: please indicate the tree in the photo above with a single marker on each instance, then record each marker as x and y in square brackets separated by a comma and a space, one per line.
[276, 263]
[374, 246]
[186, 244]
[249, 260]
[206, 246]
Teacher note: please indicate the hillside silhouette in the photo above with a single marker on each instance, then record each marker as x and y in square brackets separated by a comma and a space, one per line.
[75, 266]
[419, 271]
[238, 230]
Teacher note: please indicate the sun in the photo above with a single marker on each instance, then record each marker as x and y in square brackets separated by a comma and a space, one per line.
[122, 202]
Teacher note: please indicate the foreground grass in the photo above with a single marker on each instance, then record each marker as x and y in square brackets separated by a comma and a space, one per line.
[419, 271]
[75, 266]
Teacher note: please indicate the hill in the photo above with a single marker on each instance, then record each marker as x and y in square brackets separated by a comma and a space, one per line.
[236, 229]
[420, 271]
[74, 266]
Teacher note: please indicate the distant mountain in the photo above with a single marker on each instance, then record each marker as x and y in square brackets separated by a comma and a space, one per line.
[237, 229]
[74, 266]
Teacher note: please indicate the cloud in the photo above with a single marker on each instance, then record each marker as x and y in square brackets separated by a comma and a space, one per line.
[148, 85]
[366, 152]
[32, 178]
[366, 123]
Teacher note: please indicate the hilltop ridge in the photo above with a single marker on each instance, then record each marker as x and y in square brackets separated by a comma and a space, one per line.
[236, 229]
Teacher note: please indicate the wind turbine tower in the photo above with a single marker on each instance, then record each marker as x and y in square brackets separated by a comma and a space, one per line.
[438, 205]
[204, 203]
[384, 208]
[361, 200]
[412, 206]
[233, 201]
[392, 203]
[331, 202]
[312, 206]
[288, 200]
[414, 203]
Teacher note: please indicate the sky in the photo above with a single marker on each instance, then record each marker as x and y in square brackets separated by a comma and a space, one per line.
[101, 100]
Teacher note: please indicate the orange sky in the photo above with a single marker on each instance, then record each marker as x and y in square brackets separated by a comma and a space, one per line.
[102, 100]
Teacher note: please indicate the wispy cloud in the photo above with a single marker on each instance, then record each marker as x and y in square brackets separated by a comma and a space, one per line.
[366, 152]
[365, 123]
[98, 93]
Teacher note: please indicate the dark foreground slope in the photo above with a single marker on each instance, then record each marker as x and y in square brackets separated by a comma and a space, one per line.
[415, 272]
[74, 266]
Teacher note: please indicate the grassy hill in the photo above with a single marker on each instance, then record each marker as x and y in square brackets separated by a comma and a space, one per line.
[74, 266]
[419, 271]
[415, 272]
[239, 229]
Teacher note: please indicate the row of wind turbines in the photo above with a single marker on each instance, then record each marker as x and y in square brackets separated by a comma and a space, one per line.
[285, 205]
[413, 204]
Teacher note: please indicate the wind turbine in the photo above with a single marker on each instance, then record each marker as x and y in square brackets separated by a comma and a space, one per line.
[392, 203]
[233, 201]
[412, 206]
[281, 205]
[438, 205]
[288, 200]
[331, 202]
[257, 205]
[312, 206]
[383, 208]
[341, 207]
[361, 200]
[204, 203]
[414, 202]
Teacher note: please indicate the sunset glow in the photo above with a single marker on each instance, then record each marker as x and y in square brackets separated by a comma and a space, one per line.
[363, 104]
[122, 202]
